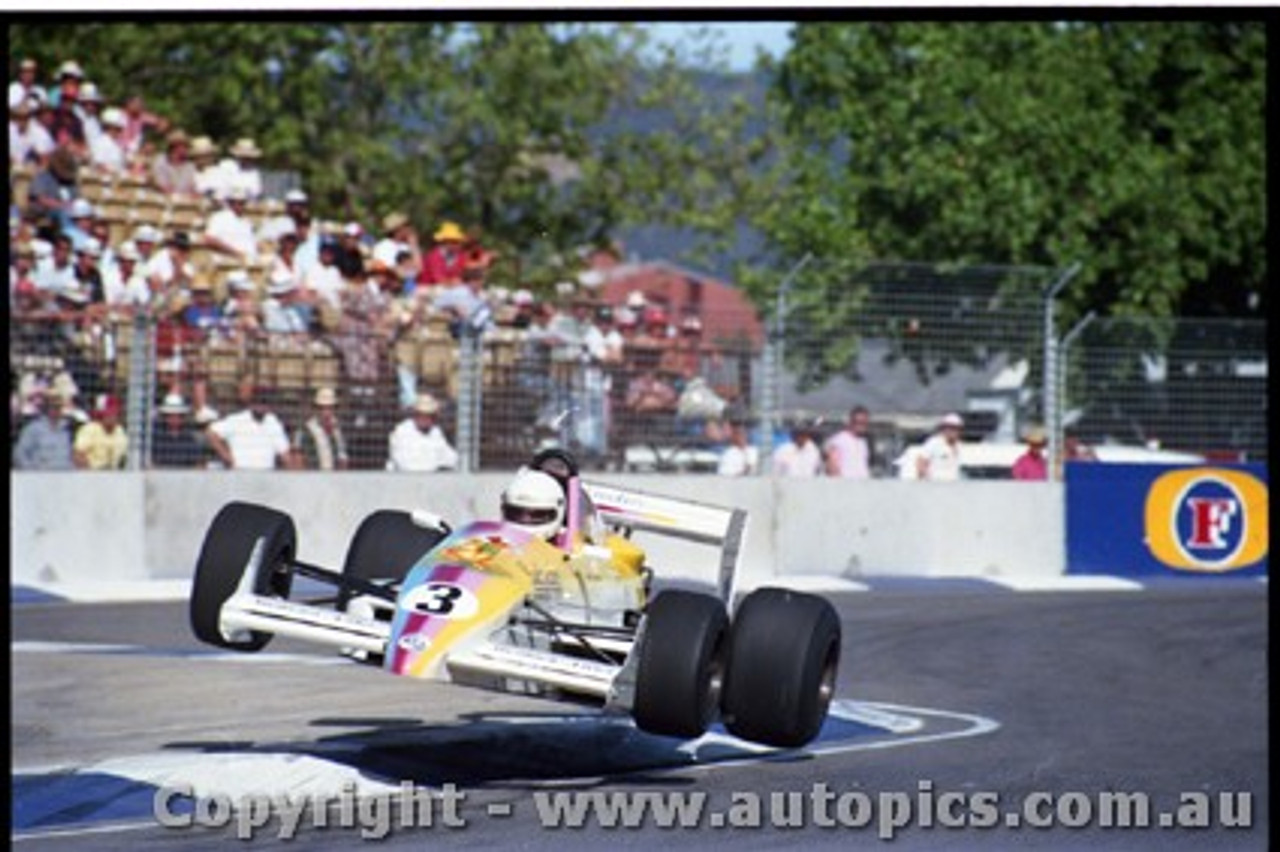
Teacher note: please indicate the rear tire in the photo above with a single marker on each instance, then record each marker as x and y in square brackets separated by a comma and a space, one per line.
[682, 658]
[231, 538]
[784, 651]
[386, 545]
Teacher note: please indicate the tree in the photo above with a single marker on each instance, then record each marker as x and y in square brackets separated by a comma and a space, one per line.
[505, 128]
[1137, 149]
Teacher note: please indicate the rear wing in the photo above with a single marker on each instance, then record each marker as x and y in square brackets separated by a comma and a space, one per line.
[690, 520]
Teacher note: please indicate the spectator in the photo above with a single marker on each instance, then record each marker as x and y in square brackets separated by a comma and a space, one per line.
[323, 278]
[29, 142]
[647, 392]
[284, 311]
[103, 443]
[285, 262]
[172, 172]
[45, 441]
[253, 438]
[88, 276]
[320, 444]
[81, 214]
[740, 458]
[939, 456]
[106, 151]
[90, 113]
[1073, 449]
[59, 275]
[443, 263]
[798, 456]
[53, 190]
[242, 312]
[173, 441]
[418, 443]
[243, 171]
[137, 121]
[296, 205]
[170, 269]
[123, 282]
[22, 280]
[849, 451]
[209, 178]
[308, 255]
[25, 86]
[350, 251]
[229, 230]
[146, 238]
[1032, 464]
[399, 236]
[66, 128]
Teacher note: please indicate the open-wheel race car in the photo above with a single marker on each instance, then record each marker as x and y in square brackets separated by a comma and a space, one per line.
[567, 610]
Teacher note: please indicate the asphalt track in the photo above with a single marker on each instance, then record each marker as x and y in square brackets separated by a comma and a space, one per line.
[1162, 691]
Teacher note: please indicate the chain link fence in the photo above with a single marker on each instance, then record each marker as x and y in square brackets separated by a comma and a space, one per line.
[1190, 385]
[639, 377]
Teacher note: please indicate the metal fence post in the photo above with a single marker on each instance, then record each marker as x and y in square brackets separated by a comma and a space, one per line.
[140, 391]
[1063, 349]
[775, 364]
[1050, 377]
[468, 399]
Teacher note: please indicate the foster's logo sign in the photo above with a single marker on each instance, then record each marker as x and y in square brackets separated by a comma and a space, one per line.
[1207, 519]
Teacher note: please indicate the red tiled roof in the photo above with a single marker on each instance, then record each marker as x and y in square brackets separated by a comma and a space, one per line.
[726, 312]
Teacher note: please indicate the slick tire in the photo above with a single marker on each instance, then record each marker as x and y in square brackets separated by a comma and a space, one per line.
[228, 544]
[784, 651]
[386, 545]
[681, 665]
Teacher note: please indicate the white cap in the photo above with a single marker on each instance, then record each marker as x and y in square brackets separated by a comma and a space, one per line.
[80, 208]
[128, 251]
[91, 246]
[522, 297]
[635, 299]
[295, 196]
[953, 419]
[113, 117]
[146, 234]
[89, 92]
[238, 279]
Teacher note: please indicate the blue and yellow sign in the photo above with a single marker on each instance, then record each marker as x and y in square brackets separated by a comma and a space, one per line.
[1146, 519]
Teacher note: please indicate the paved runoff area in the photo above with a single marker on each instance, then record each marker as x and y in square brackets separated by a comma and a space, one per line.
[968, 716]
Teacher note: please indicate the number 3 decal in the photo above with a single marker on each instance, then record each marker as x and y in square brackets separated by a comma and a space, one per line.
[442, 600]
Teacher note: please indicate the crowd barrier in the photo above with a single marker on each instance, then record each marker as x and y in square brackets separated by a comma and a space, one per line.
[75, 527]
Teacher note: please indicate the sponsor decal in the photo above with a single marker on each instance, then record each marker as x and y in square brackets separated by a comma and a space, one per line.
[414, 643]
[1210, 520]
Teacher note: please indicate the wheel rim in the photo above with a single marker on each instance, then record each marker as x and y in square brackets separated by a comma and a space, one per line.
[827, 683]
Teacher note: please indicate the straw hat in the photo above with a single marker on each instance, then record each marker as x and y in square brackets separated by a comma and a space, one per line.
[203, 146]
[393, 221]
[245, 148]
[326, 398]
[426, 404]
[1036, 436]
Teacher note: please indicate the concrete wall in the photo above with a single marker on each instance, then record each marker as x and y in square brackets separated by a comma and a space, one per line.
[82, 526]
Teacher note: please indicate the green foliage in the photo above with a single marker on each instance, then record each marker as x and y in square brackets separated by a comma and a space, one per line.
[505, 128]
[1137, 149]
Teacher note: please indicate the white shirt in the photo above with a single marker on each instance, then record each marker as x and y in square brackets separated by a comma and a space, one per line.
[413, 449]
[118, 291]
[107, 153]
[943, 459]
[793, 460]
[850, 454]
[235, 231]
[386, 250]
[738, 461]
[325, 281]
[254, 444]
[33, 138]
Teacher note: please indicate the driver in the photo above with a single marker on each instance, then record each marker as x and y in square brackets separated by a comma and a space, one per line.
[535, 502]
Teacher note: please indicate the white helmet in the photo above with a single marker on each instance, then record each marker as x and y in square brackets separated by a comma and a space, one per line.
[534, 501]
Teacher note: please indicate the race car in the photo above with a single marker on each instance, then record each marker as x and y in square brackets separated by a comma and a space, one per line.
[574, 615]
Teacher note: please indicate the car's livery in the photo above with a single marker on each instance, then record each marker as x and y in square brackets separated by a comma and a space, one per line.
[489, 605]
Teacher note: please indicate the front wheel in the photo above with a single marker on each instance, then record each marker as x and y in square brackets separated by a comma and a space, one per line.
[681, 666]
[386, 545]
[784, 650]
[235, 532]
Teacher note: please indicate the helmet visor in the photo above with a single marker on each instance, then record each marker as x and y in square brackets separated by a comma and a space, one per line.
[526, 516]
